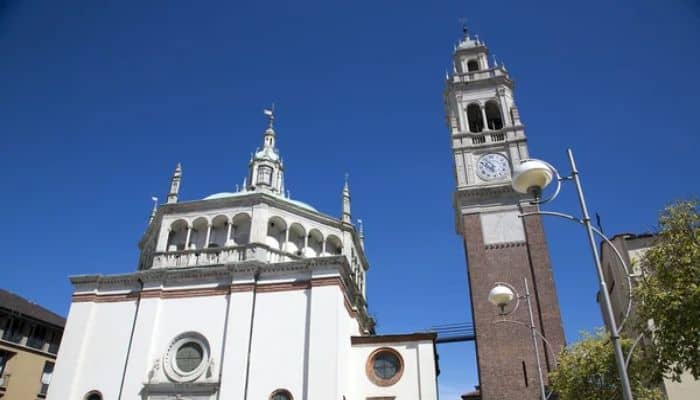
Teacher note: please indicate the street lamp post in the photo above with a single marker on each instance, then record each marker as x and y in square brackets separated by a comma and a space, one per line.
[502, 295]
[532, 176]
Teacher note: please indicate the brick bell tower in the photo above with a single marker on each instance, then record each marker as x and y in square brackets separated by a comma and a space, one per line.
[487, 139]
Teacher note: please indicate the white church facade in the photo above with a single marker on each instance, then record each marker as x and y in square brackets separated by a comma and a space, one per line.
[242, 295]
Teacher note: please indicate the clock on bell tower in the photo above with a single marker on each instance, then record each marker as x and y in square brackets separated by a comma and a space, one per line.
[487, 139]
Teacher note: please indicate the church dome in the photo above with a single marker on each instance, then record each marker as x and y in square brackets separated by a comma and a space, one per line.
[297, 203]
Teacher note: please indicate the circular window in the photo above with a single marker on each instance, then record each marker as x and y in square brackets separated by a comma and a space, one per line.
[187, 357]
[384, 366]
[281, 394]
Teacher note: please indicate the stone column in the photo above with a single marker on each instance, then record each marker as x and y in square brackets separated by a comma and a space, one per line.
[206, 240]
[228, 232]
[483, 115]
[187, 238]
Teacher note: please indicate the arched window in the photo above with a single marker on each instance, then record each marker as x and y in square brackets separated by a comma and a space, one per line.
[281, 394]
[93, 395]
[219, 229]
[198, 237]
[177, 235]
[476, 121]
[276, 233]
[297, 235]
[333, 245]
[493, 115]
[472, 65]
[240, 231]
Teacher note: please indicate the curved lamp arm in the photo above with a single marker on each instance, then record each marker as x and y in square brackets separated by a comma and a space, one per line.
[605, 238]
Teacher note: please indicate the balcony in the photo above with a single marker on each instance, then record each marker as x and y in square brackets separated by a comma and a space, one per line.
[220, 255]
[478, 75]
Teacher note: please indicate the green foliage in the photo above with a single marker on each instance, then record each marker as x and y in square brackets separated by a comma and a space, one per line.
[586, 370]
[669, 293]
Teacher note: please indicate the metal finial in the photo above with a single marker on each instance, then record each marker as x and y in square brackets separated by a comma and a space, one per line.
[270, 112]
[465, 31]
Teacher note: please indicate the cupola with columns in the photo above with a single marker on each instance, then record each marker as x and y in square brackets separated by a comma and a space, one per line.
[257, 222]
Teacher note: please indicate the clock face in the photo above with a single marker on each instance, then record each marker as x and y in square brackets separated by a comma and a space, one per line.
[492, 166]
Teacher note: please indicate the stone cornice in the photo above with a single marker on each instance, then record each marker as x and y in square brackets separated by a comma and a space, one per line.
[408, 337]
[222, 279]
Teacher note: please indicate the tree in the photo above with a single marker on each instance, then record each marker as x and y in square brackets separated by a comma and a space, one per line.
[668, 295]
[586, 370]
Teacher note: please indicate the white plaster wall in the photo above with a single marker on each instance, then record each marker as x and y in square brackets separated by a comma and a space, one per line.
[687, 389]
[418, 381]
[323, 343]
[69, 353]
[102, 336]
[236, 350]
[277, 358]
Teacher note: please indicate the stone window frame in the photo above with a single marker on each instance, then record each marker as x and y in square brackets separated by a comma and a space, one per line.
[369, 367]
[170, 367]
[281, 391]
[91, 393]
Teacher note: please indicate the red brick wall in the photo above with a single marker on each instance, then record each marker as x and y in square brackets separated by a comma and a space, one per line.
[503, 347]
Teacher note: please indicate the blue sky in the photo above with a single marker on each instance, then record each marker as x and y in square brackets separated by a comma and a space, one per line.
[100, 100]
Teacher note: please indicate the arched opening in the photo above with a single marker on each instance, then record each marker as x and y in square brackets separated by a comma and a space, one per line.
[493, 115]
[276, 231]
[240, 231]
[297, 235]
[333, 245]
[281, 394]
[219, 229]
[177, 235]
[476, 121]
[314, 241]
[472, 65]
[200, 226]
[93, 395]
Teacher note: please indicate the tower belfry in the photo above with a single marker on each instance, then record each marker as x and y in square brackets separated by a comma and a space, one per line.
[487, 140]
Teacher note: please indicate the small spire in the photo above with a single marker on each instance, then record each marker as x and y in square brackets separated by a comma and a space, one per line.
[347, 217]
[175, 184]
[495, 62]
[155, 209]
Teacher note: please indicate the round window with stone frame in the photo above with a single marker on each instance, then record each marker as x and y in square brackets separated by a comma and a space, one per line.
[384, 366]
[187, 357]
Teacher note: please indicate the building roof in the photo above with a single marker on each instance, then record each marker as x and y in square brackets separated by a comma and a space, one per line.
[13, 302]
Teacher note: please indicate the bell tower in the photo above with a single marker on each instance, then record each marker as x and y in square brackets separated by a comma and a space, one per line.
[487, 140]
